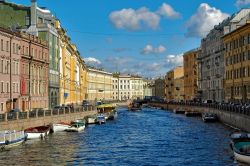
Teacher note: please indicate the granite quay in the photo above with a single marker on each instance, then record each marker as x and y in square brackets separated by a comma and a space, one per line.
[235, 116]
[23, 120]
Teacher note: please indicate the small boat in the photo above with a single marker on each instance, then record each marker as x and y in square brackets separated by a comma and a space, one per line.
[179, 111]
[37, 132]
[240, 144]
[113, 115]
[192, 113]
[61, 126]
[107, 110]
[134, 107]
[209, 117]
[76, 126]
[100, 119]
[91, 119]
[10, 139]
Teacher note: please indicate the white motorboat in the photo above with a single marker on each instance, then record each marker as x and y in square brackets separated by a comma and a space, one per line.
[91, 119]
[59, 127]
[76, 126]
[37, 132]
[240, 144]
[209, 117]
[10, 139]
[100, 119]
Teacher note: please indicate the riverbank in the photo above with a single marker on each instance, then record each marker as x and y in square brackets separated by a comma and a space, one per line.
[230, 118]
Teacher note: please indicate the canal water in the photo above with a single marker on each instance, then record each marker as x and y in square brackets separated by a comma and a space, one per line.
[149, 137]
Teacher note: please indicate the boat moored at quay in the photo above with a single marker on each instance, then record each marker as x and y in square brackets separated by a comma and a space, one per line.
[10, 139]
[59, 127]
[240, 144]
[39, 132]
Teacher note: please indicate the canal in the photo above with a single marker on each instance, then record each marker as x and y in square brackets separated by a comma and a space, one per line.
[149, 137]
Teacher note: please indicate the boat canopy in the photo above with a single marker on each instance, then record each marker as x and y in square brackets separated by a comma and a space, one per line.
[106, 106]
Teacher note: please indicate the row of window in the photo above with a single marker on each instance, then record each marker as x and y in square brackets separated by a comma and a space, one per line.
[5, 46]
[238, 73]
[5, 67]
[238, 43]
[5, 87]
[238, 58]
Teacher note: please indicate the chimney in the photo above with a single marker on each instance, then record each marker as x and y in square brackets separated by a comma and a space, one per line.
[33, 11]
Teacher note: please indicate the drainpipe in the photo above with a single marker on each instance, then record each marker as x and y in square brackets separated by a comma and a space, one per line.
[11, 95]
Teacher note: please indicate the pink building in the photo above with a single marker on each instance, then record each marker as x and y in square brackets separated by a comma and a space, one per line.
[9, 70]
[34, 69]
[24, 65]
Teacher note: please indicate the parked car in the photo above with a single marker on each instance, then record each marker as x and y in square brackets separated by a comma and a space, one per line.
[13, 113]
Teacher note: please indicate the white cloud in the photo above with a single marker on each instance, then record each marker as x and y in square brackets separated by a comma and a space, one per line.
[167, 11]
[240, 3]
[204, 20]
[149, 49]
[133, 20]
[92, 61]
[173, 61]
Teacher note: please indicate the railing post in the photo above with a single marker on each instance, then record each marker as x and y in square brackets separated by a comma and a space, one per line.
[36, 113]
[6, 117]
[17, 115]
[64, 110]
[51, 112]
[58, 111]
[28, 114]
[44, 113]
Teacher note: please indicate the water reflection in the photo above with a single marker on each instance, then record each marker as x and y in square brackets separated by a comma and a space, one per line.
[149, 137]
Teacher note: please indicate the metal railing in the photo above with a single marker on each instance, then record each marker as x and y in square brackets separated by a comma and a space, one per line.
[43, 113]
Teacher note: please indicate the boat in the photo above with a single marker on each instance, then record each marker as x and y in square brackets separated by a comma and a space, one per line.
[59, 127]
[10, 139]
[91, 119]
[108, 110]
[100, 119]
[113, 115]
[209, 117]
[76, 126]
[192, 113]
[134, 106]
[240, 144]
[37, 132]
[179, 111]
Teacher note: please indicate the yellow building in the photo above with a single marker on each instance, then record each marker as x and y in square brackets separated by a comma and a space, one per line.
[237, 64]
[179, 89]
[73, 71]
[172, 91]
[190, 74]
[99, 85]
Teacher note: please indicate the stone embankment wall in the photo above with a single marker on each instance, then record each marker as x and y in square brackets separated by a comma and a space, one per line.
[232, 119]
[21, 124]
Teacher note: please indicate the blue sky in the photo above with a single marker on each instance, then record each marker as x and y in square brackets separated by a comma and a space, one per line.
[145, 37]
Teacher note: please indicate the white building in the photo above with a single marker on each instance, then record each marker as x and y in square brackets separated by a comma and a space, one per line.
[127, 87]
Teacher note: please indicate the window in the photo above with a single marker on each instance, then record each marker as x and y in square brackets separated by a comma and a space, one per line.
[2, 87]
[27, 21]
[7, 87]
[2, 44]
[1, 108]
[7, 46]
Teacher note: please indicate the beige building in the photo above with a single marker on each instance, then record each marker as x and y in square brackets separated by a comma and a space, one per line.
[99, 85]
[190, 74]
[237, 63]
[172, 91]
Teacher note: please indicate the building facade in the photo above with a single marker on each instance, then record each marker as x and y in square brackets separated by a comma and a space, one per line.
[170, 89]
[39, 22]
[99, 85]
[237, 61]
[179, 89]
[190, 74]
[211, 64]
[34, 69]
[160, 88]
